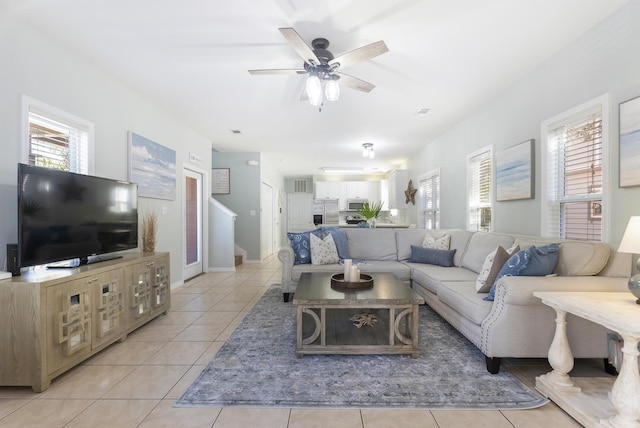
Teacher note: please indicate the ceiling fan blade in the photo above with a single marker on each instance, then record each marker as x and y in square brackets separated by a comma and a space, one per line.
[300, 46]
[277, 71]
[355, 83]
[360, 54]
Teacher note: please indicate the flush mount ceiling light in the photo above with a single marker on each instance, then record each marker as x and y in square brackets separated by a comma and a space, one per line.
[341, 170]
[367, 151]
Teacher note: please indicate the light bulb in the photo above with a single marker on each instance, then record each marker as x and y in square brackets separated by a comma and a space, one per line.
[314, 90]
[332, 90]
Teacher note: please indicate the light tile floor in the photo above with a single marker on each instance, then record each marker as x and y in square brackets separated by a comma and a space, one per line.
[136, 382]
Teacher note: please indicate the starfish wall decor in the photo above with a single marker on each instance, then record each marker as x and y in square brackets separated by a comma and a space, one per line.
[410, 193]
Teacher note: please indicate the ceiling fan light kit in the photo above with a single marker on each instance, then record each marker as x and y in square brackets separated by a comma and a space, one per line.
[323, 68]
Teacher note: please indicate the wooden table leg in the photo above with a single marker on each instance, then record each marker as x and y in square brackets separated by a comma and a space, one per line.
[625, 394]
[560, 358]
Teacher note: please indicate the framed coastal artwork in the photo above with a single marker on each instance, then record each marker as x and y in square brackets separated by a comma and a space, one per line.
[220, 181]
[515, 172]
[630, 142]
[153, 167]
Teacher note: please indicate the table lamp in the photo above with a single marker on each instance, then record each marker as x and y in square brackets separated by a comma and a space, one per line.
[631, 244]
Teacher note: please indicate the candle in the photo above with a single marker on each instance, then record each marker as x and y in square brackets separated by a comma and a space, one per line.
[354, 274]
[347, 270]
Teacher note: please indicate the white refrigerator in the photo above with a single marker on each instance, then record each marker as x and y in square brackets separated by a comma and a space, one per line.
[325, 211]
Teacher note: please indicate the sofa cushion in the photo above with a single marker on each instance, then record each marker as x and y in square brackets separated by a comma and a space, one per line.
[442, 243]
[430, 276]
[301, 244]
[462, 297]
[405, 238]
[492, 266]
[323, 251]
[340, 239]
[372, 244]
[432, 256]
[481, 244]
[582, 258]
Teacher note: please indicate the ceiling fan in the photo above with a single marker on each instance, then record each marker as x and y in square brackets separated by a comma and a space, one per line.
[323, 68]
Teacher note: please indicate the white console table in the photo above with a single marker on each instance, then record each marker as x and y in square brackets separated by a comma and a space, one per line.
[605, 402]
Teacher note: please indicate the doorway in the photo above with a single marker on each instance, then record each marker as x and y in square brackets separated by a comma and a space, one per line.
[192, 215]
[266, 221]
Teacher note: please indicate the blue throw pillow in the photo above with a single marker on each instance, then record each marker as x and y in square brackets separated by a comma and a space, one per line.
[542, 260]
[512, 267]
[432, 256]
[340, 239]
[532, 261]
[301, 244]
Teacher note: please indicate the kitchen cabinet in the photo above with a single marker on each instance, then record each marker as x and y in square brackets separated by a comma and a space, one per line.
[327, 189]
[368, 190]
[398, 182]
[55, 319]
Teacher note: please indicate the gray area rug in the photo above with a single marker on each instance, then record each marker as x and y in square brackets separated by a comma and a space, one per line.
[257, 366]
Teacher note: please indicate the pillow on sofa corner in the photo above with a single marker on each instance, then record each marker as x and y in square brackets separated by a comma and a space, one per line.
[441, 243]
[532, 261]
[301, 244]
[493, 263]
[432, 256]
[323, 250]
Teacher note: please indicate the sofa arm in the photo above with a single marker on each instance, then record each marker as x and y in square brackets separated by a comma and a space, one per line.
[286, 257]
[518, 290]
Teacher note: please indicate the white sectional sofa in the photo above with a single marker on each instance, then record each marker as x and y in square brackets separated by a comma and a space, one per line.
[515, 324]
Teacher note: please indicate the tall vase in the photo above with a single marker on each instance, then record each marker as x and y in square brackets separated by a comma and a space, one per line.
[372, 222]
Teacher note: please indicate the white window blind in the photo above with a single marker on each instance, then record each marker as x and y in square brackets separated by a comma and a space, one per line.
[575, 168]
[479, 169]
[430, 200]
[55, 144]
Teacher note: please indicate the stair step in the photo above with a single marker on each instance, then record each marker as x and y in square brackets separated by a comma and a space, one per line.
[238, 260]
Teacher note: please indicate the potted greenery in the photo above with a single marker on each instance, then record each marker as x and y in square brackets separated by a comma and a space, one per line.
[370, 211]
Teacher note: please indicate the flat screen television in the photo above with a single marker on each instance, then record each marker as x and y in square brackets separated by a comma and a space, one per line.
[73, 218]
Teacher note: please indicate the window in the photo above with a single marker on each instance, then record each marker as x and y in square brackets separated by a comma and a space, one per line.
[479, 170]
[56, 139]
[574, 170]
[430, 199]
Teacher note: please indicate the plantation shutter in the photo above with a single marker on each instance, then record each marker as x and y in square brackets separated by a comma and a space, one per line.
[575, 177]
[479, 173]
[58, 145]
[430, 191]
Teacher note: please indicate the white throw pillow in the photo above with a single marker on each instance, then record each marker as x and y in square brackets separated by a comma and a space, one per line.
[323, 251]
[441, 243]
[487, 266]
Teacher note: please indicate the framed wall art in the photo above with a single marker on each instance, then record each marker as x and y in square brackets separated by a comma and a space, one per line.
[153, 167]
[630, 142]
[515, 172]
[220, 181]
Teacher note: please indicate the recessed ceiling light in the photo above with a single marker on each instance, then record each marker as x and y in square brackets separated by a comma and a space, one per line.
[236, 131]
[422, 111]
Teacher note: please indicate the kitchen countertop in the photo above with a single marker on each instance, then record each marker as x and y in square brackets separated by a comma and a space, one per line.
[385, 225]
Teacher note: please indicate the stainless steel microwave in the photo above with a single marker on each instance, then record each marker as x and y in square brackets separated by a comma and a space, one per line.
[355, 204]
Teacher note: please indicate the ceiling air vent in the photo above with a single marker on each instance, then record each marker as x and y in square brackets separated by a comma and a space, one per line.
[299, 185]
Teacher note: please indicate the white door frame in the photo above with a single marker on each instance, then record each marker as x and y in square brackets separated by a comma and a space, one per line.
[205, 215]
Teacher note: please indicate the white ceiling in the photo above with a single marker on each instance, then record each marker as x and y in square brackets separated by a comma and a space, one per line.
[191, 57]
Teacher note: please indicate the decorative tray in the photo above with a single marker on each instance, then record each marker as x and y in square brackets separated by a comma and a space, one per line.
[366, 281]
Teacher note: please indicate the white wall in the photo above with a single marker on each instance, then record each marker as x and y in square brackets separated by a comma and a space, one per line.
[34, 65]
[605, 60]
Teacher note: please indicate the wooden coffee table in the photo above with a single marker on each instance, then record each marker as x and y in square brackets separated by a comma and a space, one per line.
[325, 324]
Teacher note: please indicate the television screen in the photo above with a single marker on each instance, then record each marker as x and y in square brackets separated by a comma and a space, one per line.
[66, 216]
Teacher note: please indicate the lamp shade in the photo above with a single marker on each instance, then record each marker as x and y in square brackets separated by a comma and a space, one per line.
[631, 240]
[332, 90]
[314, 90]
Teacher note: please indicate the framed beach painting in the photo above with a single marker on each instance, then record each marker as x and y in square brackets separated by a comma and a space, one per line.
[630, 142]
[515, 172]
[153, 167]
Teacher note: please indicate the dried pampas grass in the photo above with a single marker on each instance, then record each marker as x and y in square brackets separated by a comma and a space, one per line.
[149, 227]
